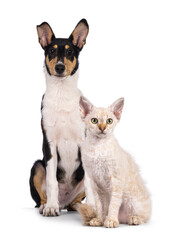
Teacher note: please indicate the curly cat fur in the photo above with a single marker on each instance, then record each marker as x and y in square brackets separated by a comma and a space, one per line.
[119, 191]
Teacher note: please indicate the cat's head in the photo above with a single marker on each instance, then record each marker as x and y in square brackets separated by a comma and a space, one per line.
[100, 121]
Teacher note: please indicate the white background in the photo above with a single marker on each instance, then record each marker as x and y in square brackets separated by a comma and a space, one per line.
[132, 51]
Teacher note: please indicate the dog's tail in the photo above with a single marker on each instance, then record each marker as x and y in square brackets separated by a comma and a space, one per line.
[87, 213]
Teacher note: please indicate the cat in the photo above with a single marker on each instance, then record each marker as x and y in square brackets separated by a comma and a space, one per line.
[119, 192]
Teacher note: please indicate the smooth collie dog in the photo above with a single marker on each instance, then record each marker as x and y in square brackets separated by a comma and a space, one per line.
[57, 181]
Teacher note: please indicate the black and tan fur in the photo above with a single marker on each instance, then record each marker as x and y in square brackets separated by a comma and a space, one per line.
[61, 61]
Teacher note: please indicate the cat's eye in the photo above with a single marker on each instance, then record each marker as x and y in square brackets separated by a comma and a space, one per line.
[109, 121]
[94, 120]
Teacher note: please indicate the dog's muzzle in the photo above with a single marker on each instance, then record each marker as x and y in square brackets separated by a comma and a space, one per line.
[59, 68]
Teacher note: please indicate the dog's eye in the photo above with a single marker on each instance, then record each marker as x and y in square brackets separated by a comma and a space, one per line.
[94, 120]
[69, 52]
[109, 121]
[52, 50]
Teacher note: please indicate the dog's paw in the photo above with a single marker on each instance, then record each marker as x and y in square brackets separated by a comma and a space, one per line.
[111, 223]
[95, 222]
[51, 211]
[41, 208]
[135, 220]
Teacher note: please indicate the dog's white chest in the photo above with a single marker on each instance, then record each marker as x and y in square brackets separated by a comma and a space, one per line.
[62, 123]
[61, 115]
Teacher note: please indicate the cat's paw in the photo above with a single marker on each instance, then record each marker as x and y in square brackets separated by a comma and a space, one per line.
[135, 220]
[111, 223]
[95, 222]
[51, 211]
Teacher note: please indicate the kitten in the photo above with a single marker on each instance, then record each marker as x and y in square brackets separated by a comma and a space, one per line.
[119, 192]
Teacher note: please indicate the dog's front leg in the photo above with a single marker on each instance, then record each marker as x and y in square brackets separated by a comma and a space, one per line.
[52, 205]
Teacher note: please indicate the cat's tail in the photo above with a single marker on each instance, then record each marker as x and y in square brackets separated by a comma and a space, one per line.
[87, 213]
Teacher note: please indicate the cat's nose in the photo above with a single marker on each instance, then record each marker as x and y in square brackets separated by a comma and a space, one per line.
[102, 127]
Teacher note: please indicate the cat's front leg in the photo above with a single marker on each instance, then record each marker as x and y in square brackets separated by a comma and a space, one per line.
[98, 220]
[111, 220]
[88, 184]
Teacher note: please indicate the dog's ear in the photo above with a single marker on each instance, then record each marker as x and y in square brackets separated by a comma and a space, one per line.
[78, 36]
[117, 107]
[45, 34]
[85, 107]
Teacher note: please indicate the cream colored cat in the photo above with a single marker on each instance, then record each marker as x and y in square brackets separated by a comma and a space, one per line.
[119, 192]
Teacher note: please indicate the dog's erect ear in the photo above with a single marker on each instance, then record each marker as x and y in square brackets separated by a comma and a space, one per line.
[117, 107]
[85, 107]
[78, 36]
[45, 34]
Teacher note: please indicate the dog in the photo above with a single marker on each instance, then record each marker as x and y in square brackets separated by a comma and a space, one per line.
[57, 181]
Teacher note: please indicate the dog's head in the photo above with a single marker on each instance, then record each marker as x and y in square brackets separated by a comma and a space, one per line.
[61, 54]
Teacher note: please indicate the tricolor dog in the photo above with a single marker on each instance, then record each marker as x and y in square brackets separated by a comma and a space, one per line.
[57, 181]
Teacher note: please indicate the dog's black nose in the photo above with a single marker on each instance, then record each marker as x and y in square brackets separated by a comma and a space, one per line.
[59, 68]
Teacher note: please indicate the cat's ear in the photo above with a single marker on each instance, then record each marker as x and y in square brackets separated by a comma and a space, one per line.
[79, 35]
[85, 107]
[45, 34]
[117, 107]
